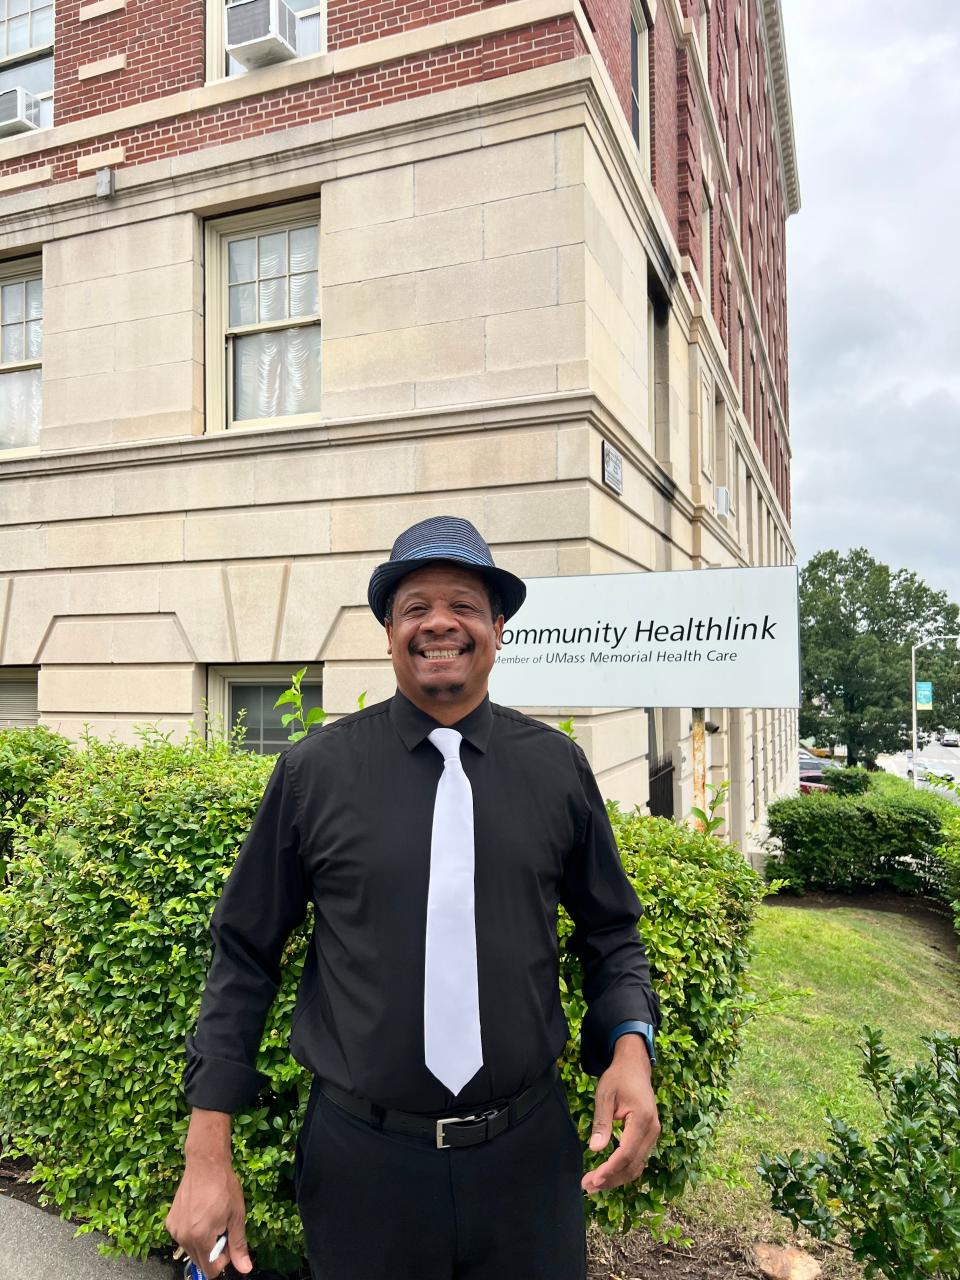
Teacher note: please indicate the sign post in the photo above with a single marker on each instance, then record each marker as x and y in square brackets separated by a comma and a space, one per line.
[699, 760]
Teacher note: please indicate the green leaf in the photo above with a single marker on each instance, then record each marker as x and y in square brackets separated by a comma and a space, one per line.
[316, 715]
[288, 695]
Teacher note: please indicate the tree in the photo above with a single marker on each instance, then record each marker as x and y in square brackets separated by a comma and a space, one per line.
[858, 620]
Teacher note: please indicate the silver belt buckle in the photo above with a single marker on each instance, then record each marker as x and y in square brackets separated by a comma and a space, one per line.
[442, 1145]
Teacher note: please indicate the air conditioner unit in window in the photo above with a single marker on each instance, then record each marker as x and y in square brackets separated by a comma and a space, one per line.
[723, 500]
[260, 32]
[19, 111]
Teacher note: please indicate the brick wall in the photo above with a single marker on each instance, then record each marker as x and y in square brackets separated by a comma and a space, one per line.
[503, 53]
[689, 173]
[663, 117]
[163, 44]
[755, 178]
[610, 23]
[352, 23]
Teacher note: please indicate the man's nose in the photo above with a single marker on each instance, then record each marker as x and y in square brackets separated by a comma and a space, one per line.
[439, 618]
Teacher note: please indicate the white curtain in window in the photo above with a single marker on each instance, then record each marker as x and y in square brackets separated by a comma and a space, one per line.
[19, 408]
[277, 373]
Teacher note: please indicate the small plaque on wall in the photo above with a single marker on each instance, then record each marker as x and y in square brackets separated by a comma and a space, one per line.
[612, 468]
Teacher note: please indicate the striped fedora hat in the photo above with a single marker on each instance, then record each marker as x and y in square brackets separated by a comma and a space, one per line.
[452, 541]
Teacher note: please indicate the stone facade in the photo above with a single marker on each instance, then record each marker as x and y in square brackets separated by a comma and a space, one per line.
[502, 288]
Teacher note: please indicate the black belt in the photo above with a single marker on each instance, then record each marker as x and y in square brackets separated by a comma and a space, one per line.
[450, 1131]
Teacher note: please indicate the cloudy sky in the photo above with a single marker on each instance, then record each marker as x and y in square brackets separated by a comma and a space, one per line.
[874, 281]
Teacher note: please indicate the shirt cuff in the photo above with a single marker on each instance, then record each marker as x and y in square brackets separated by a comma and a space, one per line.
[216, 1084]
[638, 1028]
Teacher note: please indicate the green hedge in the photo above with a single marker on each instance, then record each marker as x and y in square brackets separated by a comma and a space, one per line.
[948, 851]
[103, 935]
[700, 899]
[28, 760]
[847, 782]
[844, 843]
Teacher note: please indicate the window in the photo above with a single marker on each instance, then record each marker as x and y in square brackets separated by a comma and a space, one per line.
[21, 345]
[640, 86]
[721, 441]
[703, 35]
[748, 143]
[750, 387]
[651, 367]
[250, 693]
[263, 321]
[18, 697]
[26, 54]
[741, 379]
[750, 258]
[749, 513]
[706, 426]
[311, 32]
[735, 486]
[658, 316]
[706, 239]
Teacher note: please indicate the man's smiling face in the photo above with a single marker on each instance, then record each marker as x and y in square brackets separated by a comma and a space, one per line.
[443, 639]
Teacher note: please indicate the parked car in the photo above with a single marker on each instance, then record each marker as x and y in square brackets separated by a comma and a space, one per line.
[810, 763]
[810, 780]
[925, 768]
[951, 738]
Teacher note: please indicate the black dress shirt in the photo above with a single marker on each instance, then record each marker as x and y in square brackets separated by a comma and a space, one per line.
[345, 822]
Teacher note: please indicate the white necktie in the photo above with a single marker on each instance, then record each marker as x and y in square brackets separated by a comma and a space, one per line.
[451, 999]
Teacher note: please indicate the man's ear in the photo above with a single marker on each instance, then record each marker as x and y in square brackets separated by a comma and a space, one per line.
[388, 627]
[498, 630]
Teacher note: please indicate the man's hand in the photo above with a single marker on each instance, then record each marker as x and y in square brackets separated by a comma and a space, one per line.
[624, 1092]
[209, 1200]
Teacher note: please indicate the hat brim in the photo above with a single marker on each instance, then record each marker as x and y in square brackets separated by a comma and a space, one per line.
[384, 579]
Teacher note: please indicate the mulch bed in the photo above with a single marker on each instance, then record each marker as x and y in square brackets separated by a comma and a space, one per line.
[712, 1256]
[933, 916]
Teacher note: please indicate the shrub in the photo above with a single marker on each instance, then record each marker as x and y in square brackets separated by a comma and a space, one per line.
[847, 782]
[699, 899]
[103, 932]
[896, 1197]
[28, 760]
[948, 851]
[846, 843]
[103, 929]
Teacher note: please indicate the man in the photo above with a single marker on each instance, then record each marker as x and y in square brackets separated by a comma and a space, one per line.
[435, 835]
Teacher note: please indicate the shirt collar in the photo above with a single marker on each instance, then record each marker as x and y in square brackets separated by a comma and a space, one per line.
[413, 725]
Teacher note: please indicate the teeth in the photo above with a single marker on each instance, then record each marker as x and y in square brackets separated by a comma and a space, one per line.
[441, 653]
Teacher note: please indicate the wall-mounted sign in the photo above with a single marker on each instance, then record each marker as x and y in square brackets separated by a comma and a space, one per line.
[612, 468]
[698, 638]
[924, 695]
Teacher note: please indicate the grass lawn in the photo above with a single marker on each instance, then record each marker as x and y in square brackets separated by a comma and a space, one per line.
[823, 973]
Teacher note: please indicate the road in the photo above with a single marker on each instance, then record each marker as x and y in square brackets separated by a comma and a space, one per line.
[937, 758]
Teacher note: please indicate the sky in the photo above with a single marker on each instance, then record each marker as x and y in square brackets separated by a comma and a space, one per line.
[873, 282]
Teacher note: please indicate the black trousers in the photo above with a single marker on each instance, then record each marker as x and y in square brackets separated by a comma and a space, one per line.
[383, 1206]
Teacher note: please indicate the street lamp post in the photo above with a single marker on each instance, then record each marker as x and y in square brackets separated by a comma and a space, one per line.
[913, 690]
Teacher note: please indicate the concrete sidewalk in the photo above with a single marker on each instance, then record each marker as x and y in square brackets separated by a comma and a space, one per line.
[35, 1245]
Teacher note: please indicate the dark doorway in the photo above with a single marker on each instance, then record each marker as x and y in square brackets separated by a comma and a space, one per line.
[660, 803]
